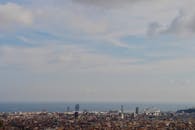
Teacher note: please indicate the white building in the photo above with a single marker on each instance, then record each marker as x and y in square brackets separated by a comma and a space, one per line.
[152, 111]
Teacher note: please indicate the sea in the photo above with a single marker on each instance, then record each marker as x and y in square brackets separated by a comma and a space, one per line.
[91, 107]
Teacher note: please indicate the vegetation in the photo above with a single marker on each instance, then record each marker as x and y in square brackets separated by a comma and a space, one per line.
[1, 124]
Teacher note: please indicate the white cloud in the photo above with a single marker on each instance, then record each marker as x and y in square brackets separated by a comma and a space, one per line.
[88, 74]
[109, 3]
[180, 24]
[94, 24]
[71, 58]
[70, 18]
[58, 57]
[183, 24]
[14, 15]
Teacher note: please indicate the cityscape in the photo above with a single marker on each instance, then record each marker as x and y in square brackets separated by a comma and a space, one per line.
[149, 119]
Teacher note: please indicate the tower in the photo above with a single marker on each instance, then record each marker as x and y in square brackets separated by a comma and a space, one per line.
[76, 114]
[77, 107]
[137, 110]
[68, 109]
[122, 112]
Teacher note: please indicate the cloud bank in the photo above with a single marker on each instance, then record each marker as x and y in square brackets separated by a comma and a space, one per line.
[97, 48]
[108, 3]
[14, 15]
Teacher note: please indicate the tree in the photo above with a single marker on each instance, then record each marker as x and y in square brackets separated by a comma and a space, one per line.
[1, 123]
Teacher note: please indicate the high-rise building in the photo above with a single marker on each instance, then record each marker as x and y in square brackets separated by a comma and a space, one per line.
[68, 109]
[76, 114]
[77, 107]
[122, 112]
[137, 110]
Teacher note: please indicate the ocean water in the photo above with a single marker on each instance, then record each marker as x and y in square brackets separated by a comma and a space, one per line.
[62, 107]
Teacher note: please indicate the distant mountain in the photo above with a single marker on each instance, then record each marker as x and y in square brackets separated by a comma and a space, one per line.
[190, 110]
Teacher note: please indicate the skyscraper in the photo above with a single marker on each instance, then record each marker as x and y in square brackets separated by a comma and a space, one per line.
[77, 107]
[68, 109]
[122, 112]
[137, 110]
[76, 114]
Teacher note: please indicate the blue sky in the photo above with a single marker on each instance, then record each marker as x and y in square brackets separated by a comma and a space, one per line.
[97, 50]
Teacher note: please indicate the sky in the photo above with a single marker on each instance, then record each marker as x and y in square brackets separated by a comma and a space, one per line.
[97, 51]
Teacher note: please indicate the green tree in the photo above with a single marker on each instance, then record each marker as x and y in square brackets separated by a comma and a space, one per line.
[1, 124]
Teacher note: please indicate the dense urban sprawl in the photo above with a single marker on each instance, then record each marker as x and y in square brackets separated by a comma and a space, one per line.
[112, 120]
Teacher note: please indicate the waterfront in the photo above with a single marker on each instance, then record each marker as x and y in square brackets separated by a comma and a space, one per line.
[62, 107]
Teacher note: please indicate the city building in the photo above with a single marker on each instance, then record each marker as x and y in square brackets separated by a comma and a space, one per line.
[152, 111]
[137, 110]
